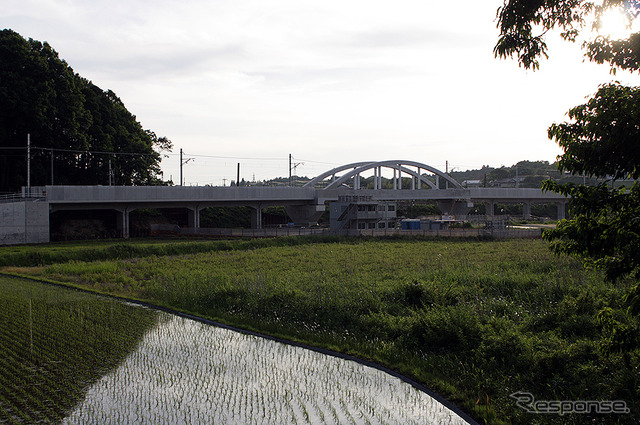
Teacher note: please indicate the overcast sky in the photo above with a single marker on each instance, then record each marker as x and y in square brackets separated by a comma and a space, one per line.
[330, 82]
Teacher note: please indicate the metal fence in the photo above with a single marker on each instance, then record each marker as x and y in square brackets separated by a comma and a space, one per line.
[299, 231]
[253, 233]
[451, 233]
[17, 197]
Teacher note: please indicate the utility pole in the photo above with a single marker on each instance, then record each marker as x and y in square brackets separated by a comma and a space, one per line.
[110, 173]
[182, 162]
[238, 180]
[51, 166]
[29, 164]
[446, 171]
[293, 167]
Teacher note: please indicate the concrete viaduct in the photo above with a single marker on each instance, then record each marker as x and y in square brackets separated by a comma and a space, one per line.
[25, 217]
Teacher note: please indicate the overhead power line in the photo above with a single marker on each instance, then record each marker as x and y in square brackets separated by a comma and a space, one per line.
[231, 157]
[164, 154]
[6, 148]
[92, 152]
[317, 162]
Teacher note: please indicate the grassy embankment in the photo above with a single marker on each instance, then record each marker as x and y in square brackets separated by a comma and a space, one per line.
[475, 321]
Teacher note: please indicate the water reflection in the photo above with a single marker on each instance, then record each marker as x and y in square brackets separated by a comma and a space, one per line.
[75, 358]
[187, 372]
[55, 343]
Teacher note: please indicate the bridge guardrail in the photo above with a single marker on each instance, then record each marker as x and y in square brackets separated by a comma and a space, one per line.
[21, 197]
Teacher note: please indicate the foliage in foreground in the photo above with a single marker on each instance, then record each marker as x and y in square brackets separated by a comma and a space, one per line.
[476, 321]
[600, 139]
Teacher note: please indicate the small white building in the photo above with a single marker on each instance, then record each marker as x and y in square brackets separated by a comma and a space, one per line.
[471, 183]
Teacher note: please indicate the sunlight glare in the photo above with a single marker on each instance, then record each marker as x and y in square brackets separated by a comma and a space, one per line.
[616, 24]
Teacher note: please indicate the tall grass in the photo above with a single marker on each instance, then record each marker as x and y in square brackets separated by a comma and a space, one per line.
[36, 255]
[476, 321]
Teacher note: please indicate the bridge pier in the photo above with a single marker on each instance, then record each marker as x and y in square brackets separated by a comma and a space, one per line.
[455, 206]
[256, 217]
[122, 222]
[305, 215]
[526, 210]
[489, 208]
[193, 217]
[561, 209]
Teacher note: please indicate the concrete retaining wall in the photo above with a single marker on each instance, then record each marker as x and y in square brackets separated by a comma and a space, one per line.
[24, 222]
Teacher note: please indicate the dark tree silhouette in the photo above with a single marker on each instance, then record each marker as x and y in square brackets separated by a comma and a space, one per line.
[74, 126]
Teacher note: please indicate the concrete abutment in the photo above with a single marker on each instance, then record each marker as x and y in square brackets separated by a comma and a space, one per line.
[24, 222]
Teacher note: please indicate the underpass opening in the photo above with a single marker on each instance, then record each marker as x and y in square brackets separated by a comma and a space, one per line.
[68, 225]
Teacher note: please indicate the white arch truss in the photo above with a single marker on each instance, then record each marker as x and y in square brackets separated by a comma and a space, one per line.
[357, 168]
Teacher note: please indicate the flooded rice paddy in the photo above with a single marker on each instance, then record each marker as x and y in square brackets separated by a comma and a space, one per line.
[145, 366]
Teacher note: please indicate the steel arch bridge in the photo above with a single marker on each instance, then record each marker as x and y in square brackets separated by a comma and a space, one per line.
[353, 172]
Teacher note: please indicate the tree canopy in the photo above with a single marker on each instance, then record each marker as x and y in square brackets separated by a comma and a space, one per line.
[524, 24]
[601, 137]
[75, 127]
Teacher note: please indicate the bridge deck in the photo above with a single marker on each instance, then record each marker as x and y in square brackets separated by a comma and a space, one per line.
[25, 222]
[262, 195]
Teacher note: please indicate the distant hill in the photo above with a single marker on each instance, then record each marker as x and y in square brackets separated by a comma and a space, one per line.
[527, 173]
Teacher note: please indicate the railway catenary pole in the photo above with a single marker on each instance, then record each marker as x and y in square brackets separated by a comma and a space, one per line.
[29, 163]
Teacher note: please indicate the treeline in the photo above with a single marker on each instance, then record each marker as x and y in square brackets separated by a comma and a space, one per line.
[80, 134]
[528, 173]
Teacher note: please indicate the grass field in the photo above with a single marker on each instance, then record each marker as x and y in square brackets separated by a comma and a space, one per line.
[475, 321]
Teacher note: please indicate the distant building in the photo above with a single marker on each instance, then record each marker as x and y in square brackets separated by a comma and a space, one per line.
[361, 212]
[508, 182]
[471, 183]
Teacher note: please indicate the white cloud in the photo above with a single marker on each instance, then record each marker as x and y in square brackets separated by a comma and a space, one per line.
[333, 81]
